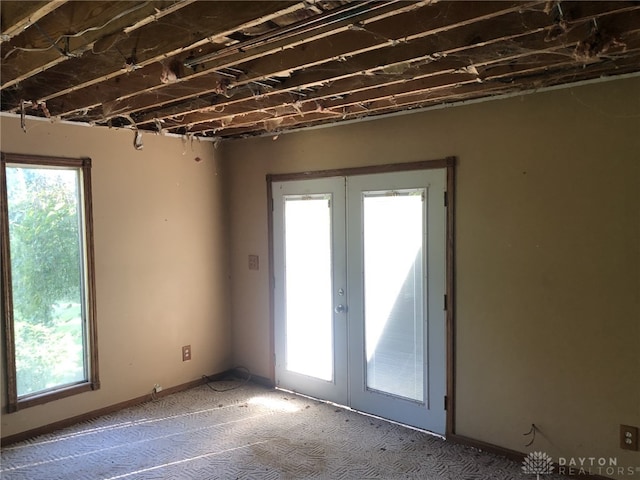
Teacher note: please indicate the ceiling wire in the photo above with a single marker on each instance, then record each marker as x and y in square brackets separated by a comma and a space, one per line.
[72, 35]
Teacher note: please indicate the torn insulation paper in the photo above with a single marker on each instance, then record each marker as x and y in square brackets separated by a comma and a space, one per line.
[137, 140]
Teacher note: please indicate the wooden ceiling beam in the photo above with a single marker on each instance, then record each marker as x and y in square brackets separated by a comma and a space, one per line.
[545, 78]
[296, 103]
[427, 43]
[144, 86]
[329, 72]
[446, 80]
[74, 29]
[373, 34]
[317, 66]
[269, 124]
[504, 71]
[389, 29]
[426, 22]
[533, 44]
[199, 22]
[18, 16]
[290, 115]
[459, 94]
[328, 24]
[507, 28]
[431, 85]
[118, 98]
[504, 25]
[504, 75]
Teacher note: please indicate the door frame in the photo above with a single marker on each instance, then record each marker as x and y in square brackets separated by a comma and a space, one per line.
[449, 164]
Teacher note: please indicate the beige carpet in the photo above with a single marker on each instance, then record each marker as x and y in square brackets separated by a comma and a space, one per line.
[249, 432]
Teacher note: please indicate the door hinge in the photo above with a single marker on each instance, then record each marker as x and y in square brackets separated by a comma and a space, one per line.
[445, 301]
[446, 199]
[446, 403]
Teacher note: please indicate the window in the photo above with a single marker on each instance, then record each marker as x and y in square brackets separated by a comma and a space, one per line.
[47, 278]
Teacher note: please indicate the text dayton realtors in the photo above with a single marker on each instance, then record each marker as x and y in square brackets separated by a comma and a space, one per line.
[593, 466]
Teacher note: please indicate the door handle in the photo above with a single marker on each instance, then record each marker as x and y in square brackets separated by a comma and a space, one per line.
[340, 309]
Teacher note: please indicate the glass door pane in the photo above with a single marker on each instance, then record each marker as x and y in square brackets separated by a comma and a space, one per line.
[308, 289]
[394, 292]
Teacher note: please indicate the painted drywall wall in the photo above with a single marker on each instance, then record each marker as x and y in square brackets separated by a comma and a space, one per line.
[547, 255]
[160, 261]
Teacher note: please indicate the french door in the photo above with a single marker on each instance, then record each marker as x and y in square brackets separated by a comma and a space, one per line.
[359, 267]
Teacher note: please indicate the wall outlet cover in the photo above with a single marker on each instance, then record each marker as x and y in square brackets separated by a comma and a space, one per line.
[628, 437]
[186, 353]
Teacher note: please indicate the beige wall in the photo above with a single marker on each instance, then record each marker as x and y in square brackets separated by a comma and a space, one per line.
[548, 257]
[161, 264]
[547, 246]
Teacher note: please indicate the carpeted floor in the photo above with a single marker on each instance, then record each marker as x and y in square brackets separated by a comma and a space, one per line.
[246, 433]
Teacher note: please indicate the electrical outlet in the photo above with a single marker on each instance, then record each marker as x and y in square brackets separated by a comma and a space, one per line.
[628, 437]
[254, 262]
[157, 388]
[186, 353]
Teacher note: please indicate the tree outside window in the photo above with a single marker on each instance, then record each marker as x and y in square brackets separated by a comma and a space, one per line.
[48, 279]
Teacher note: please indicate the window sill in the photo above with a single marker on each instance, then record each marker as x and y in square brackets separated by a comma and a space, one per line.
[39, 399]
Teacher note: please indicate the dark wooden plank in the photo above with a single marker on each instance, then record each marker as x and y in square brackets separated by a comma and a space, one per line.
[9, 360]
[368, 170]
[450, 292]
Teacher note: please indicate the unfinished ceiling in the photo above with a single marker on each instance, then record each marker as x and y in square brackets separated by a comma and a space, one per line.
[235, 68]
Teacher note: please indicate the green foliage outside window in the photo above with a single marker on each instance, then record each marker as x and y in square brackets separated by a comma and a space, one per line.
[45, 243]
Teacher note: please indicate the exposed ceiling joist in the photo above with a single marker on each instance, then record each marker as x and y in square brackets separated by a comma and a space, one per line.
[230, 68]
[74, 29]
[197, 24]
[367, 74]
[18, 16]
[191, 84]
[342, 47]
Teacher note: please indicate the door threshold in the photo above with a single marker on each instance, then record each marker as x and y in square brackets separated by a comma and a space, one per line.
[345, 407]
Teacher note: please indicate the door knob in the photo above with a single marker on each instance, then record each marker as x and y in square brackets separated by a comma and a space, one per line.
[340, 308]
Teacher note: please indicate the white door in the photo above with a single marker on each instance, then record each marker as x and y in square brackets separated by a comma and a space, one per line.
[359, 267]
[310, 281]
